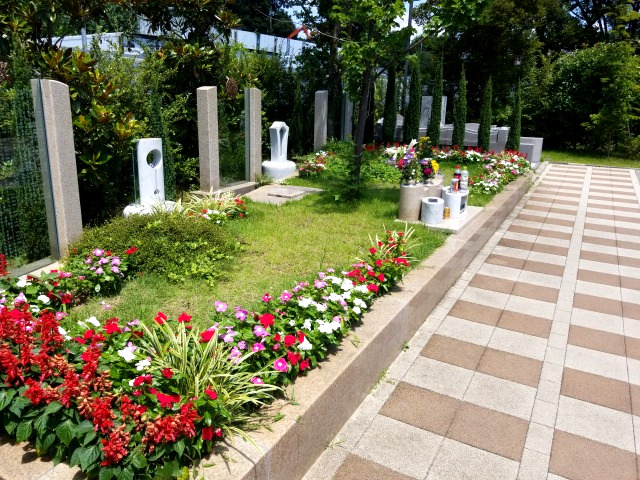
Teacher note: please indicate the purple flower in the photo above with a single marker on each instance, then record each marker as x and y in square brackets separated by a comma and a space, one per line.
[242, 345]
[220, 307]
[241, 314]
[98, 253]
[319, 283]
[87, 261]
[257, 347]
[115, 269]
[115, 261]
[257, 381]
[259, 331]
[228, 336]
[99, 271]
[103, 260]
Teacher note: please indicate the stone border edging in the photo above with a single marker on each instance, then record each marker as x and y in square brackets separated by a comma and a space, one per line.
[327, 398]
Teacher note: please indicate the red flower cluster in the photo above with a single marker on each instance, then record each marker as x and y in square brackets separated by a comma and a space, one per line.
[171, 427]
[3, 266]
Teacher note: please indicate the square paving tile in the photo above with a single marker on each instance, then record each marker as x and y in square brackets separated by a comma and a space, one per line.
[489, 430]
[508, 366]
[421, 408]
[476, 312]
[399, 446]
[457, 460]
[523, 323]
[439, 377]
[597, 304]
[595, 422]
[357, 468]
[538, 292]
[494, 284]
[456, 352]
[576, 457]
[597, 340]
[501, 395]
[592, 388]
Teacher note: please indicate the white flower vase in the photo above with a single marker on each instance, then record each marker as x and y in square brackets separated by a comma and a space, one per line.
[410, 202]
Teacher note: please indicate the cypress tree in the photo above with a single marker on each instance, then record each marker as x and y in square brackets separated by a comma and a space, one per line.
[412, 120]
[390, 105]
[296, 119]
[460, 112]
[513, 140]
[484, 130]
[433, 131]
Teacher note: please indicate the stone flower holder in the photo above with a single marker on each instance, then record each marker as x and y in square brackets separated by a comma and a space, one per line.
[434, 187]
[410, 202]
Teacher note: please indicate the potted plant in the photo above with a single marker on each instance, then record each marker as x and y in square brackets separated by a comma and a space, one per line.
[406, 159]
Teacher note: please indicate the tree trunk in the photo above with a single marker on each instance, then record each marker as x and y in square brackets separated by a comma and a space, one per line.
[362, 120]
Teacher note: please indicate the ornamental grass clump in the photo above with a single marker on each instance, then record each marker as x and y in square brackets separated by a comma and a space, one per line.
[215, 207]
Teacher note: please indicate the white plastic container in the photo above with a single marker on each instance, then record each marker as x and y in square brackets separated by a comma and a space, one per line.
[432, 210]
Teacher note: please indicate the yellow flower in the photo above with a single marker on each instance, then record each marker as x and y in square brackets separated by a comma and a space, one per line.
[435, 166]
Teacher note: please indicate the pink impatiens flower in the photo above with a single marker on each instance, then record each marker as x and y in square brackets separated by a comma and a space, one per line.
[266, 298]
[257, 347]
[285, 296]
[281, 365]
[241, 314]
[220, 307]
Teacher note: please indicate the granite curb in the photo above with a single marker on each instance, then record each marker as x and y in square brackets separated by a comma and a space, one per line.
[326, 399]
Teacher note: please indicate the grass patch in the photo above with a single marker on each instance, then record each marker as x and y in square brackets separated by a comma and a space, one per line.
[588, 158]
[281, 245]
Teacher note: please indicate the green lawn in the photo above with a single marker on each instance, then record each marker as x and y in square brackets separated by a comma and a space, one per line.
[281, 245]
[588, 158]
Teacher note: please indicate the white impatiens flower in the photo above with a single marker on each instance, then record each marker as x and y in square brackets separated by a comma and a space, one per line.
[334, 297]
[328, 327]
[127, 353]
[143, 364]
[321, 307]
[304, 302]
[334, 280]
[357, 310]
[22, 283]
[358, 302]
[63, 332]
[305, 345]
[292, 323]
[346, 296]
[307, 324]
[346, 285]
[93, 321]
[361, 289]
[44, 299]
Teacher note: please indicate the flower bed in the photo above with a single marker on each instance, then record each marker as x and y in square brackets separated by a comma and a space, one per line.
[144, 402]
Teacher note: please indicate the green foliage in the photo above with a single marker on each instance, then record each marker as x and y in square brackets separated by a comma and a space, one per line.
[104, 127]
[173, 245]
[591, 99]
[460, 112]
[484, 130]
[296, 128]
[412, 117]
[390, 108]
[513, 140]
[433, 132]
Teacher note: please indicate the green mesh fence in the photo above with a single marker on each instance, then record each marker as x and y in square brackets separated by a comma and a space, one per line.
[23, 222]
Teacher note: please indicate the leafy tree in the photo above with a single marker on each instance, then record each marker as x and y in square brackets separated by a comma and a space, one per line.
[412, 118]
[513, 140]
[390, 108]
[484, 130]
[460, 112]
[370, 40]
[433, 132]
[262, 16]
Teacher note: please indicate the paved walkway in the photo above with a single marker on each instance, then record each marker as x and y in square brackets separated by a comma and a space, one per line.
[530, 367]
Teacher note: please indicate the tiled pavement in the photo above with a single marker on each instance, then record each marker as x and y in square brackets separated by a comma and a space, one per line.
[530, 367]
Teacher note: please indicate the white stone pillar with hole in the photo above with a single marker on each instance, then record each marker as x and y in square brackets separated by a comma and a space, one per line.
[208, 141]
[58, 162]
[150, 179]
[253, 133]
[321, 116]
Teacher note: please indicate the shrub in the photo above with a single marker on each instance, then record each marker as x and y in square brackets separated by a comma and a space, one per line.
[390, 108]
[176, 246]
[513, 140]
[412, 117]
[433, 131]
[460, 112]
[484, 130]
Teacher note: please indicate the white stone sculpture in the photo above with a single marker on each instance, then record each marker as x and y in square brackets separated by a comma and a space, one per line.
[279, 167]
